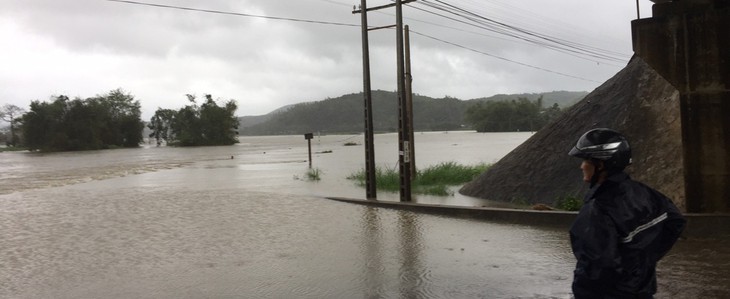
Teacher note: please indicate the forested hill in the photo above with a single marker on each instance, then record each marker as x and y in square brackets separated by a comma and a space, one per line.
[345, 114]
[564, 99]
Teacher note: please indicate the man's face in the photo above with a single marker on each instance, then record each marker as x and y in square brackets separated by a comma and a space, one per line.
[588, 170]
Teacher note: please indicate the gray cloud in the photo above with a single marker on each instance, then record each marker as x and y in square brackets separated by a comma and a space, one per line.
[89, 47]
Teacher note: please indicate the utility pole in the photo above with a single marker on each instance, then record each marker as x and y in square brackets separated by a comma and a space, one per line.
[404, 136]
[404, 127]
[409, 100]
[370, 186]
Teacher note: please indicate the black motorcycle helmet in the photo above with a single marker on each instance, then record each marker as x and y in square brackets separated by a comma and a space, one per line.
[605, 145]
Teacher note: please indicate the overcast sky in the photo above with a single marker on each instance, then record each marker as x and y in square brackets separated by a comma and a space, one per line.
[266, 53]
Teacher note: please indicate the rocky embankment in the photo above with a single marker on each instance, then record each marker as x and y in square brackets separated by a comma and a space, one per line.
[637, 102]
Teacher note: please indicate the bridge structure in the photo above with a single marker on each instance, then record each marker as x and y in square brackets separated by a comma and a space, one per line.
[688, 43]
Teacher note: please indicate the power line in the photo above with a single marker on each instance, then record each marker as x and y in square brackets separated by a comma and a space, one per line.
[234, 13]
[485, 23]
[515, 38]
[517, 32]
[341, 24]
[504, 32]
[502, 58]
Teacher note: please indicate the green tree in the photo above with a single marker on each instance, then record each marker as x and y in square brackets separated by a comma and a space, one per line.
[11, 114]
[510, 115]
[82, 127]
[193, 125]
[186, 125]
[218, 124]
[551, 113]
[160, 124]
[105, 121]
[41, 124]
[122, 117]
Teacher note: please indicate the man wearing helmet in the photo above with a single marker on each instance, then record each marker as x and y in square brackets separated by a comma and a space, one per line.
[624, 227]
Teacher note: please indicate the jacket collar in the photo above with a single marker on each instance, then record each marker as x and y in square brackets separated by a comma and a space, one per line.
[617, 177]
[614, 178]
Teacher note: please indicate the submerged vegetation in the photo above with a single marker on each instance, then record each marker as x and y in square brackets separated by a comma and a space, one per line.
[193, 125]
[433, 180]
[13, 149]
[112, 120]
[106, 121]
[313, 174]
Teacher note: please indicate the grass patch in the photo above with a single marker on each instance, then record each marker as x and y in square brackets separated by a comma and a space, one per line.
[351, 143]
[569, 203]
[313, 174]
[434, 180]
[13, 149]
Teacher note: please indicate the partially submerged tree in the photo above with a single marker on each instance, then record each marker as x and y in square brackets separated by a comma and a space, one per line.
[11, 114]
[160, 124]
[105, 121]
[192, 125]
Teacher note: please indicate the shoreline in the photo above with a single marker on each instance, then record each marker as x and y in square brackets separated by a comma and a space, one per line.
[699, 226]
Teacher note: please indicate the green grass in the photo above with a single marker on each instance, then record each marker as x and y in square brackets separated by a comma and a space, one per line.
[569, 203]
[313, 174]
[434, 180]
[13, 149]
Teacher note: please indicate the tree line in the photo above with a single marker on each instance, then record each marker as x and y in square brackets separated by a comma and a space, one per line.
[344, 114]
[510, 115]
[101, 122]
[207, 124]
[113, 120]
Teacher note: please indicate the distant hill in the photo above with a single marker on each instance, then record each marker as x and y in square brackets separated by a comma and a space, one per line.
[345, 114]
[564, 99]
[248, 121]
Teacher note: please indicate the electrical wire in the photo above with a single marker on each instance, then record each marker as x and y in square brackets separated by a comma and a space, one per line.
[513, 39]
[502, 58]
[509, 12]
[353, 25]
[470, 18]
[234, 13]
[514, 36]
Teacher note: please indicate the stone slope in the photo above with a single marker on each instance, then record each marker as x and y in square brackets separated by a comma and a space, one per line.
[637, 102]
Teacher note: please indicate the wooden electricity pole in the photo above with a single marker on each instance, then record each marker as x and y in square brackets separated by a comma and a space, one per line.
[404, 119]
[370, 186]
[409, 100]
[404, 136]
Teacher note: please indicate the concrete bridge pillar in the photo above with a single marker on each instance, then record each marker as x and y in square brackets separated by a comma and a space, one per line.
[688, 43]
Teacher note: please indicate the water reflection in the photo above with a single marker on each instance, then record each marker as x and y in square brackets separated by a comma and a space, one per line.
[412, 277]
[372, 253]
[412, 273]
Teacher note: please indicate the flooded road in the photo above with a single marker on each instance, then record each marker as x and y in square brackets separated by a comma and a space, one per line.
[196, 223]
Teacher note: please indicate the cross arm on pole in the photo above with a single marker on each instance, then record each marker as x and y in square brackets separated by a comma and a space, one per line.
[357, 11]
[381, 27]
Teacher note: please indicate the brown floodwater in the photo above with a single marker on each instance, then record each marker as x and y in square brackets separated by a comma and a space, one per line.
[244, 222]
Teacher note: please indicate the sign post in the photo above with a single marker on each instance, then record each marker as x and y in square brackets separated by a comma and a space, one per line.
[308, 137]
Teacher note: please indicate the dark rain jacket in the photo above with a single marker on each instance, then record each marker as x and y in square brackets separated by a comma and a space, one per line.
[623, 229]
